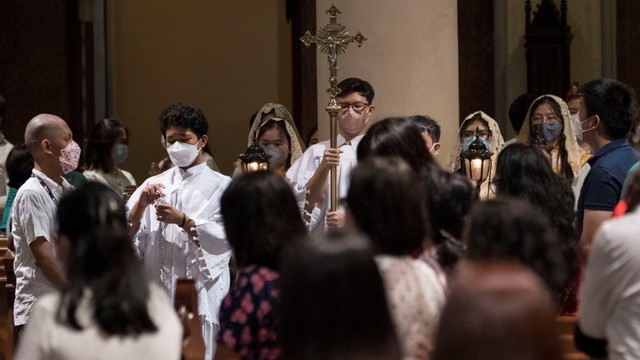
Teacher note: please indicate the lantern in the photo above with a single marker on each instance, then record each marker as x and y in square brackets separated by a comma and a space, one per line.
[254, 158]
[476, 161]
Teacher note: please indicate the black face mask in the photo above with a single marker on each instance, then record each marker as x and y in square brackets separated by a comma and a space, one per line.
[538, 136]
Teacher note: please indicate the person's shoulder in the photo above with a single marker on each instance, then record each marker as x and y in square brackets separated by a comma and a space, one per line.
[91, 174]
[127, 175]
[318, 147]
[48, 302]
[30, 188]
[163, 176]
[618, 228]
[216, 176]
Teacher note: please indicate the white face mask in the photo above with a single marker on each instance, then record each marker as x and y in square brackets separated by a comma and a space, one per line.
[586, 130]
[577, 125]
[183, 154]
[278, 157]
[433, 147]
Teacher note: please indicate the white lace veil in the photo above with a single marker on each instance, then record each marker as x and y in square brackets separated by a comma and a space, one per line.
[575, 154]
[282, 114]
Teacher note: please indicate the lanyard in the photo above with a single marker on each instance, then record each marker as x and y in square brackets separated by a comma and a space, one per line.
[46, 188]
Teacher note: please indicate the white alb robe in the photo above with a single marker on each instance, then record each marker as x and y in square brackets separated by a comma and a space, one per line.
[302, 170]
[169, 253]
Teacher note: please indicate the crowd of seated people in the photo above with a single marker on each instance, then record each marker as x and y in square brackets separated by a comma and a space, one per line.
[414, 261]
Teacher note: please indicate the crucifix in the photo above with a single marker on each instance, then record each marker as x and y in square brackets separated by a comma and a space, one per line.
[332, 39]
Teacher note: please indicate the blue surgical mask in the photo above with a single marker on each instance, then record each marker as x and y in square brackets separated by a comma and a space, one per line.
[120, 153]
[551, 131]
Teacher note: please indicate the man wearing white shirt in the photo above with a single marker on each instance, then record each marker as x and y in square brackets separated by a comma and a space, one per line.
[177, 222]
[609, 315]
[37, 270]
[312, 169]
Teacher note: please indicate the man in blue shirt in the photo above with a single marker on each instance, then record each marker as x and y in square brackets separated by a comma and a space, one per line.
[606, 113]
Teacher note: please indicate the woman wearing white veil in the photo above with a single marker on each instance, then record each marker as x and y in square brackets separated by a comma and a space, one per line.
[274, 130]
[278, 113]
[490, 134]
[283, 123]
[549, 125]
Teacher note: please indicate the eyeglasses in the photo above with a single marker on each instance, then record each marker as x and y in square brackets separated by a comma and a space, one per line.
[357, 106]
[547, 119]
[483, 134]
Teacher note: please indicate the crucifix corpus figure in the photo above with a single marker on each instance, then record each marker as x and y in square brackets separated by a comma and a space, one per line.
[333, 39]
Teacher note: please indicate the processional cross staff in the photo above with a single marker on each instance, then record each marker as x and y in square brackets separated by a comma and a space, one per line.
[332, 39]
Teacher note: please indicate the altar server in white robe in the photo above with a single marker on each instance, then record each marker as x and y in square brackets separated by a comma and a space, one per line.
[176, 218]
[312, 169]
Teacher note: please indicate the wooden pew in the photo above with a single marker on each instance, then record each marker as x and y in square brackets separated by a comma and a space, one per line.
[186, 304]
[7, 294]
[566, 326]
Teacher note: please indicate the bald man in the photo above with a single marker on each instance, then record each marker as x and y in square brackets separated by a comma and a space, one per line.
[37, 270]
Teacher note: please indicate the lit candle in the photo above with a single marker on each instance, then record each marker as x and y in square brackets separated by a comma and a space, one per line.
[476, 169]
[252, 166]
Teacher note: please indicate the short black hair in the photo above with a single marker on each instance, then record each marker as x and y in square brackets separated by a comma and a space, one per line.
[428, 124]
[510, 229]
[350, 85]
[614, 102]
[343, 311]
[518, 110]
[397, 137]
[19, 165]
[186, 116]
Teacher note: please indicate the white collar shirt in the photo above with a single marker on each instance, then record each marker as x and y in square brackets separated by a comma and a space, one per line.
[33, 216]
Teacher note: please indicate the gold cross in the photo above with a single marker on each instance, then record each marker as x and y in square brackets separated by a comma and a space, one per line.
[332, 39]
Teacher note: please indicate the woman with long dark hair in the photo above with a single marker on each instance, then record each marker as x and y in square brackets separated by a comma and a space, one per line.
[261, 218]
[106, 150]
[525, 173]
[549, 126]
[107, 309]
[386, 201]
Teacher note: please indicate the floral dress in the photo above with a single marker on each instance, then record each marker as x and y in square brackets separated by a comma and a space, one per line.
[248, 314]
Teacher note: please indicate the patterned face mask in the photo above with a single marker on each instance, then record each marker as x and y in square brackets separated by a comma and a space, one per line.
[70, 157]
[467, 142]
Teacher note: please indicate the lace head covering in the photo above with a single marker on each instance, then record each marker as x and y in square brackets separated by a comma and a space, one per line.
[497, 144]
[576, 156]
[281, 114]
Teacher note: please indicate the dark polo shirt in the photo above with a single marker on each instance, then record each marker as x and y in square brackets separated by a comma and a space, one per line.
[603, 185]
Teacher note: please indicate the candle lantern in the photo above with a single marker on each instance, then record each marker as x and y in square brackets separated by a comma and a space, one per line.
[476, 161]
[254, 158]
